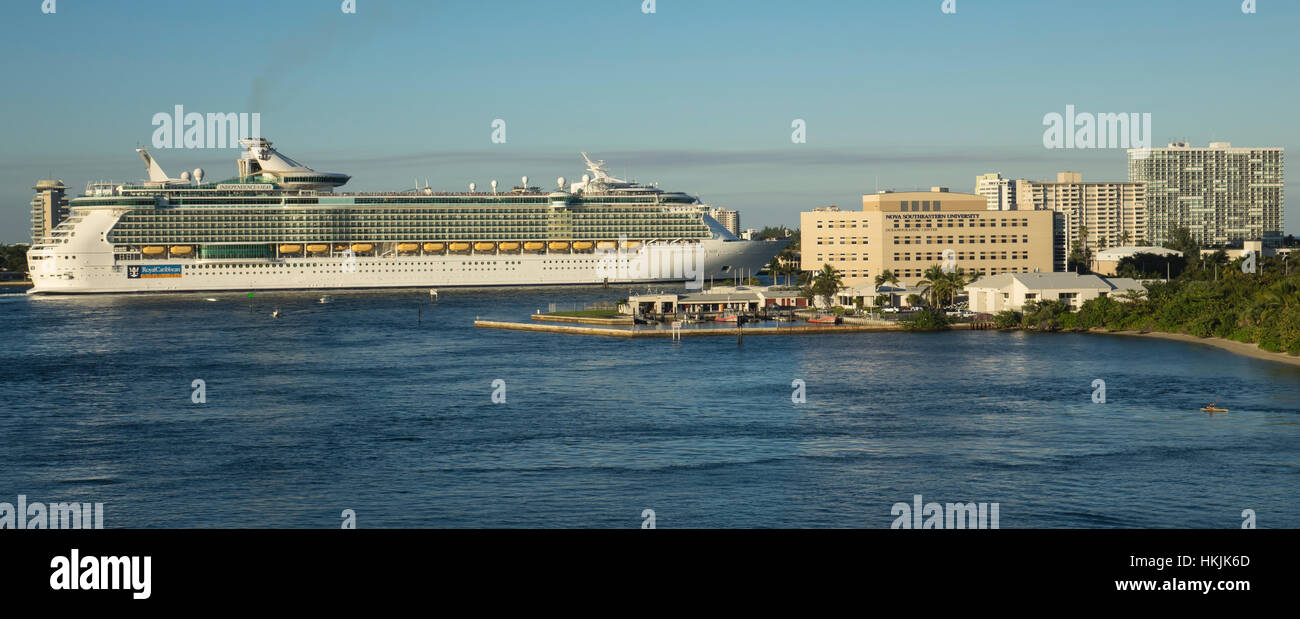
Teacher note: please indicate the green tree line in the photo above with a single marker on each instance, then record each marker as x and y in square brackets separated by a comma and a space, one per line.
[1207, 299]
[14, 257]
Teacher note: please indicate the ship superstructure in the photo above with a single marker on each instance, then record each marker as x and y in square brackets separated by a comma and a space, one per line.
[281, 225]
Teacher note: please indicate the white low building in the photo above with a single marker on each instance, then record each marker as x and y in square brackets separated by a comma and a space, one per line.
[1011, 291]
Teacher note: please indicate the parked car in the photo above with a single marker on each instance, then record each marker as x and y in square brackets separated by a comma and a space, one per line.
[890, 310]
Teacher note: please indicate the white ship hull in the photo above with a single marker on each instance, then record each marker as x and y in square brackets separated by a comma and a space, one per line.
[181, 235]
[86, 264]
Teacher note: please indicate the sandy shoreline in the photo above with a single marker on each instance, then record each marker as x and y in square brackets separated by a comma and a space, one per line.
[1240, 348]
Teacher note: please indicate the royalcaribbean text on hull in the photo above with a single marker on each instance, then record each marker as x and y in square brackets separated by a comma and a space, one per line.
[279, 225]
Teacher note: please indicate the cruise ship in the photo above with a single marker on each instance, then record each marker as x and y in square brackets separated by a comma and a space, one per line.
[280, 225]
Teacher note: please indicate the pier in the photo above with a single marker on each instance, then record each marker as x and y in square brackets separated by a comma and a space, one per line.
[584, 320]
[668, 333]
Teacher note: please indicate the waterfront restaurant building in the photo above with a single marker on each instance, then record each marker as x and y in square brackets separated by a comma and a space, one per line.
[718, 300]
[908, 232]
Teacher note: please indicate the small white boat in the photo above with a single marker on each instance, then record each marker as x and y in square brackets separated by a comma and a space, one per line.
[326, 299]
[276, 313]
[210, 299]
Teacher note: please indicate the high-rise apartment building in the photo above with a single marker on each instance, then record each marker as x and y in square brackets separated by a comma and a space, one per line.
[1101, 214]
[49, 207]
[1001, 192]
[1224, 195]
[728, 218]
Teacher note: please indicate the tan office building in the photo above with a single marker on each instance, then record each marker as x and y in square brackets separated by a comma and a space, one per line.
[908, 232]
[1114, 213]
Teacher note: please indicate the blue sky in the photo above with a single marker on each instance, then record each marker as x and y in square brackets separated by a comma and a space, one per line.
[699, 96]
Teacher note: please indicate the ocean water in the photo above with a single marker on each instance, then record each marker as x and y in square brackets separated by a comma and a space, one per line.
[357, 405]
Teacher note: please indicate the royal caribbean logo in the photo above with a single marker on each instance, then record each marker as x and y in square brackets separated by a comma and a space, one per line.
[153, 270]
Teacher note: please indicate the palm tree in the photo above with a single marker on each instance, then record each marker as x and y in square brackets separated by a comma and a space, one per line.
[827, 282]
[1275, 299]
[1124, 238]
[886, 277]
[957, 281]
[775, 268]
[935, 284]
